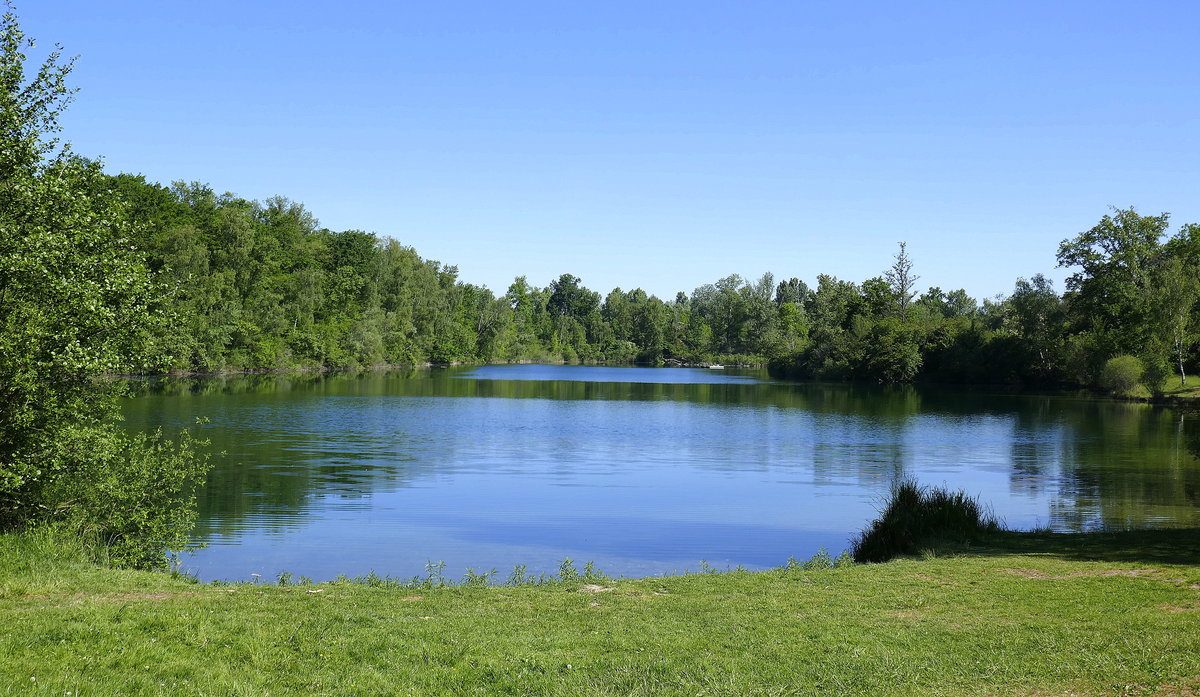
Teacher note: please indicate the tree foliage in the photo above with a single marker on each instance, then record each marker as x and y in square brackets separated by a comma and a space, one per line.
[76, 301]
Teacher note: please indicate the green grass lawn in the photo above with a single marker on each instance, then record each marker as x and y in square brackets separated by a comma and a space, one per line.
[1173, 388]
[1114, 614]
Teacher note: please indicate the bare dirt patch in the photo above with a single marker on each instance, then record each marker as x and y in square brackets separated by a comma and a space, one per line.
[1192, 689]
[596, 588]
[1127, 573]
[1184, 607]
[1188, 689]
[124, 597]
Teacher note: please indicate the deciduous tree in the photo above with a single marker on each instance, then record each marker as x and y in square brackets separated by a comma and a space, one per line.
[76, 301]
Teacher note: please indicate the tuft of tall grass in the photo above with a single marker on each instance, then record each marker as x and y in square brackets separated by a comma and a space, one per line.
[917, 517]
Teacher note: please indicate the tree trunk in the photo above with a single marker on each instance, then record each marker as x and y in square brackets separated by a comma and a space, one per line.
[1179, 357]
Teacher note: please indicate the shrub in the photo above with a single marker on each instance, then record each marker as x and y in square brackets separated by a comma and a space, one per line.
[1121, 374]
[1157, 370]
[134, 494]
[917, 517]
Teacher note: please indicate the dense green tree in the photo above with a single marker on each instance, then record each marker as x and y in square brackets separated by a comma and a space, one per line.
[793, 327]
[950, 305]
[879, 298]
[890, 352]
[1037, 318]
[1109, 293]
[835, 347]
[792, 291]
[618, 313]
[759, 332]
[651, 323]
[569, 298]
[76, 300]
[1175, 295]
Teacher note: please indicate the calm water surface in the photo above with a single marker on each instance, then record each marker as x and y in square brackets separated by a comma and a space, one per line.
[642, 470]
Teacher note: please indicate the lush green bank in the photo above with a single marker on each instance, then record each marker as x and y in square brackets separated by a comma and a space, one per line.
[1085, 614]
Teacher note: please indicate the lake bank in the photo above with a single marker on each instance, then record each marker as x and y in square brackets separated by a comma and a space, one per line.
[1108, 614]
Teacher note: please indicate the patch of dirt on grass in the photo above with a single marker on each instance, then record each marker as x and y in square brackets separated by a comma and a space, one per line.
[121, 597]
[596, 588]
[1191, 689]
[636, 594]
[1185, 607]
[939, 582]
[53, 601]
[1034, 573]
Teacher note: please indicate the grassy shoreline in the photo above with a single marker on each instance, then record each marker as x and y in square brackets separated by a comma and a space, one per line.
[1021, 614]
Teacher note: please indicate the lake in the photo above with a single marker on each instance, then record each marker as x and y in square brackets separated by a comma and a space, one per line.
[642, 470]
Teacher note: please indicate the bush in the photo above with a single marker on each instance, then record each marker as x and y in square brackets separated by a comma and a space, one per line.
[133, 494]
[1158, 370]
[917, 517]
[1121, 374]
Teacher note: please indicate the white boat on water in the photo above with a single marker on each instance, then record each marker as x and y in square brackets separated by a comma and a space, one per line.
[716, 366]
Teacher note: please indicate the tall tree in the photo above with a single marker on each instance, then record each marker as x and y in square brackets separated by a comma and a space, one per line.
[902, 279]
[569, 298]
[1037, 319]
[792, 290]
[76, 300]
[1176, 293]
[1109, 292]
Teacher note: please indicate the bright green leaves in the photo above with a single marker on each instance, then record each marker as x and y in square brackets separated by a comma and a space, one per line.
[76, 301]
[1132, 293]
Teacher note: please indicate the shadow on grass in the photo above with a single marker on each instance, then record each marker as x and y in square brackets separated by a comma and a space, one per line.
[1176, 546]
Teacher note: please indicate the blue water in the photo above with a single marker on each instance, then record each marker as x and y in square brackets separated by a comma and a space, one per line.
[641, 470]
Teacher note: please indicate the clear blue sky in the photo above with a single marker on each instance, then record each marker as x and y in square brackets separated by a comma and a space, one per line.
[658, 144]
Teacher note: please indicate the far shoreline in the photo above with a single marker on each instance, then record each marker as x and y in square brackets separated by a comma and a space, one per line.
[1174, 401]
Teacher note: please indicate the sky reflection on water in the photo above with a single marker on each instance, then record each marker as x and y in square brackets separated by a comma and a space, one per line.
[642, 470]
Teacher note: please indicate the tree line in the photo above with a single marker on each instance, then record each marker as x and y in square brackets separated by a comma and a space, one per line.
[261, 285]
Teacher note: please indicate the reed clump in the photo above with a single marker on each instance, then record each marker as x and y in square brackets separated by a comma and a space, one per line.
[917, 518]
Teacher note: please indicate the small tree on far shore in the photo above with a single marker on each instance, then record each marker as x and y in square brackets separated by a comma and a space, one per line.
[902, 279]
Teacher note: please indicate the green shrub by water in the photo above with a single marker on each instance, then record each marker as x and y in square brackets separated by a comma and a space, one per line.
[1121, 374]
[917, 517]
